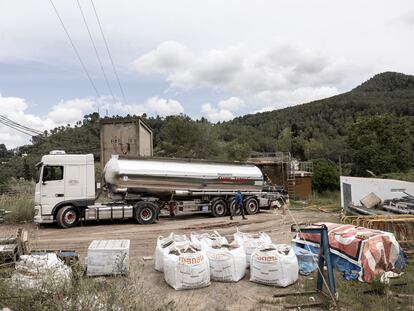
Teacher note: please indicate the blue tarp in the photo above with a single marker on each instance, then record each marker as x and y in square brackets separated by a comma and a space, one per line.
[303, 252]
[306, 259]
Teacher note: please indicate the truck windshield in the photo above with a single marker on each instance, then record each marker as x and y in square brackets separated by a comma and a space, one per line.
[38, 171]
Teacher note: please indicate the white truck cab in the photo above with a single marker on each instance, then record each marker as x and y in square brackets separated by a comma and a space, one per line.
[64, 183]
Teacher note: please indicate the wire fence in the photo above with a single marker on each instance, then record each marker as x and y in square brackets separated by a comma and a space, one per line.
[18, 190]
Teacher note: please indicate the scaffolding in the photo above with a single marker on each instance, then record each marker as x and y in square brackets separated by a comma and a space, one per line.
[290, 168]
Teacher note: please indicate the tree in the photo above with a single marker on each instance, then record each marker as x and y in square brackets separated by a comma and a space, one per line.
[325, 176]
[177, 137]
[238, 151]
[284, 141]
[380, 144]
[26, 170]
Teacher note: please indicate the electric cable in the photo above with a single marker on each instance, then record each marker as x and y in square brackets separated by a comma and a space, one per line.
[75, 49]
[109, 53]
[96, 52]
[6, 121]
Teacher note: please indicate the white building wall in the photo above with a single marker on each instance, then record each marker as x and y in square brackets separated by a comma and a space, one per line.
[383, 188]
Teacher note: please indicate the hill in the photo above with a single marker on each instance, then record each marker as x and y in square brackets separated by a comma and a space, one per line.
[319, 128]
[309, 131]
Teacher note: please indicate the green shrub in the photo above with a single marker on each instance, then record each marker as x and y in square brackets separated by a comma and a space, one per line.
[325, 176]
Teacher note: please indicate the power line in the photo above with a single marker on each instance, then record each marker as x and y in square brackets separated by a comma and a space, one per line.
[96, 51]
[74, 48]
[17, 126]
[109, 53]
[7, 120]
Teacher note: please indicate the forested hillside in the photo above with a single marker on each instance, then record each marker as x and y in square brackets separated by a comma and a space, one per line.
[319, 129]
[313, 130]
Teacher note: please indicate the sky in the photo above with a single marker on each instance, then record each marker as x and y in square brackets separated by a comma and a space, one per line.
[213, 59]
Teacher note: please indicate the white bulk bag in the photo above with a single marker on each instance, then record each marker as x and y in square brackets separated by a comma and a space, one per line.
[45, 272]
[164, 245]
[186, 268]
[206, 239]
[227, 262]
[274, 265]
[250, 241]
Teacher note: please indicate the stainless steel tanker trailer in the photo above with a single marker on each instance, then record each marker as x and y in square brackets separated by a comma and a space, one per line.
[143, 188]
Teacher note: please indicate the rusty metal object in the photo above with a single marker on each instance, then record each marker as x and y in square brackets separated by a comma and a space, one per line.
[402, 226]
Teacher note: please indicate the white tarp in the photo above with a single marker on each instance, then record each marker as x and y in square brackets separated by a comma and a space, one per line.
[250, 241]
[186, 268]
[227, 262]
[164, 245]
[206, 239]
[43, 271]
[353, 189]
[275, 265]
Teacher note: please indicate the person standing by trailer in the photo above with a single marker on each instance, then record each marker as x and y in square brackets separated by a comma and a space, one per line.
[238, 202]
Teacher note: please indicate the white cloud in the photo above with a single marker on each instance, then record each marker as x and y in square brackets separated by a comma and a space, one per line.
[71, 111]
[282, 66]
[231, 104]
[15, 108]
[168, 55]
[152, 106]
[216, 115]
[224, 111]
[284, 98]
[164, 107]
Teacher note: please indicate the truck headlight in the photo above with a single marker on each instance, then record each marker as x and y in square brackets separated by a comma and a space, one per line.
[36, 211]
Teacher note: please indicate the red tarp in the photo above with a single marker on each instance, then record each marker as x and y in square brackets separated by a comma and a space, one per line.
[373, 250]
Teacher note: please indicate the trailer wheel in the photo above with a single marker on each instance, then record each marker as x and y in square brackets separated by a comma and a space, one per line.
[145, 212]
[67, 216]
[251, 205]
[231, 204]
[218, 207]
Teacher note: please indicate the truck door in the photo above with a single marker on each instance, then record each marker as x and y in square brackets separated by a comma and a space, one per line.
[52, 187]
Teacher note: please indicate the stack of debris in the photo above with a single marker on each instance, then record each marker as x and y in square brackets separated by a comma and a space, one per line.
[374, 205]
[404, 205]
[391, 215]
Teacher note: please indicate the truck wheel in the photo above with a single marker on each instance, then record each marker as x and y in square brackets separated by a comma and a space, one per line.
[67, 217]
[145, 212]
[251, 206]
[231, 204]
[218, 207]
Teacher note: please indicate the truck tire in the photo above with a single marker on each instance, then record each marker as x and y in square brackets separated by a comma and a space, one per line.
[146, 212]
[218, 207]
[251, 206]
[231, 204]
[67, 216]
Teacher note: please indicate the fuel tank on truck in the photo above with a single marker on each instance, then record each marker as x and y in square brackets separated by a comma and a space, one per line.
[150, 176]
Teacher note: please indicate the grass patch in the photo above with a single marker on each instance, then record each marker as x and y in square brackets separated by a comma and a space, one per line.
[358, 296]
[110, 293]
[19, 200]
[329, 200]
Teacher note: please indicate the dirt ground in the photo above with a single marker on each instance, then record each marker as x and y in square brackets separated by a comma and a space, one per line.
[239, 296]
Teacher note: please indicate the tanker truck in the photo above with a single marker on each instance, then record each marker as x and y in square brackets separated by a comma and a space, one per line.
[142, 188]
